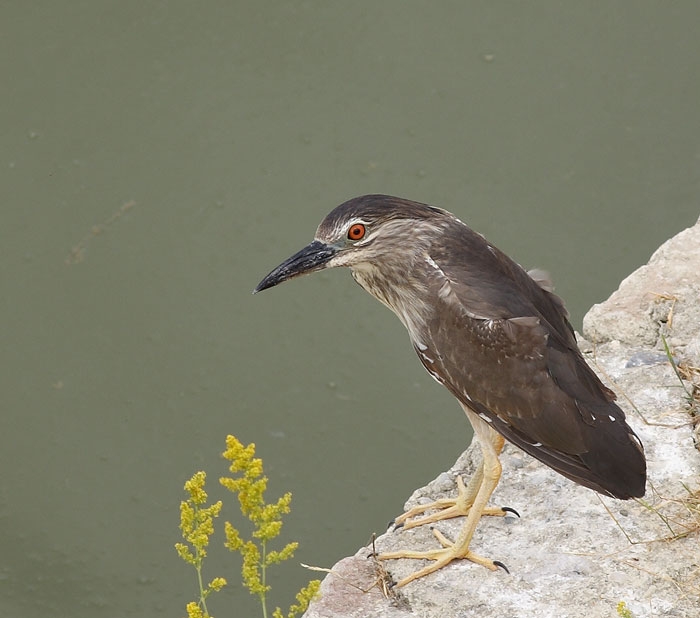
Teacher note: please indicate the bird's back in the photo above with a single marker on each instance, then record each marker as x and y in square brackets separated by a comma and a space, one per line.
[502, 344]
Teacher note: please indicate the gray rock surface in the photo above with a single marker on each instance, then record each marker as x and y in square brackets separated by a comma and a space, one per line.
[574, 553]
[660, 297]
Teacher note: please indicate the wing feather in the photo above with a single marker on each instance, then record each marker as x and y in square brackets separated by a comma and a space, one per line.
[502, 344]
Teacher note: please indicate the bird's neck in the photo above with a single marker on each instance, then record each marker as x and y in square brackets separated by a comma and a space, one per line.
[398, 289]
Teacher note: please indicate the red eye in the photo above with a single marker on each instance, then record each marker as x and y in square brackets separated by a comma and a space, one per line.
[356, 231]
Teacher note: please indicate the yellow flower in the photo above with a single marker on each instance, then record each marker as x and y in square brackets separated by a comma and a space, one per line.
[233, 538]
[184, 553]
[275, 557]
[217, 584]
[249, 483]
[194, 610]
[197, 526]
[195, 487]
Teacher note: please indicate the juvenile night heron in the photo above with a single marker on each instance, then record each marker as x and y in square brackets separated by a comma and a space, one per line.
[496, 337]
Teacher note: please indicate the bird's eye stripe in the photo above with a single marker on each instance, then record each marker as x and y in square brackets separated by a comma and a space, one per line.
[356, 231]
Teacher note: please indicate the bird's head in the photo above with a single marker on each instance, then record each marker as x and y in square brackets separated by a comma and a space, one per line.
[379, 231]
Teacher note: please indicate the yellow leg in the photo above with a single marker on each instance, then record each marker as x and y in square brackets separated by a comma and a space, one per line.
[491, 445]
[447, 508]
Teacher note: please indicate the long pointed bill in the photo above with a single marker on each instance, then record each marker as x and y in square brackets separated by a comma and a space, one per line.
[311, 258]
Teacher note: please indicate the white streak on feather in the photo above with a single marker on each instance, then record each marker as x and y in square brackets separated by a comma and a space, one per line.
[445, 292]
[436, 377]
[434, 264]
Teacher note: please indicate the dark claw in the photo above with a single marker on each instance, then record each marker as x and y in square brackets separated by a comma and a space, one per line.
[498, 563]
[397, 526]
[507, 509]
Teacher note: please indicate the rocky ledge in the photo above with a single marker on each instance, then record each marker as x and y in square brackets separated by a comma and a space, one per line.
[575, 553]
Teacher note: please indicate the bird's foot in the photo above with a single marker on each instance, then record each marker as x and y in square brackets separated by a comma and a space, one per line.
[440, 557]
[447, 508]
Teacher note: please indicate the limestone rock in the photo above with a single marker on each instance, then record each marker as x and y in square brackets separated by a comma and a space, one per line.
[662, 297]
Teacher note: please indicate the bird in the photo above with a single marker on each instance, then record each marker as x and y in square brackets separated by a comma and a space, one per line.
[493, 334]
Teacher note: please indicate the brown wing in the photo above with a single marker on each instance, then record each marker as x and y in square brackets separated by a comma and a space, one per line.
[505, 348]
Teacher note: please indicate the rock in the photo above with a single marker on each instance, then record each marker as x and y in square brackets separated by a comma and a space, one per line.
[662, 297]
[574, 553]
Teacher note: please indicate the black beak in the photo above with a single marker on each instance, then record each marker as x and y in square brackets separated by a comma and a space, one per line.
[313, 257]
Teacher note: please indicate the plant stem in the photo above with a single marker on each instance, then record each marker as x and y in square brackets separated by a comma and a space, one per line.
[675, 368]
[263, 599]
[201, 587]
